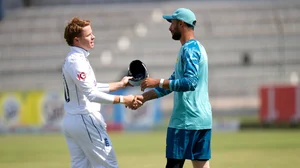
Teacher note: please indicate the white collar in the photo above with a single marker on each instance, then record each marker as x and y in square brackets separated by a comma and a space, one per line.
[80, 50]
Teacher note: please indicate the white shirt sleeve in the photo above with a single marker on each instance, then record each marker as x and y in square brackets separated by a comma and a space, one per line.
[103, 87]
[81, 71]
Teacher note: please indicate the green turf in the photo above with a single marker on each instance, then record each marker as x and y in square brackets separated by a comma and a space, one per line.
[247, 149]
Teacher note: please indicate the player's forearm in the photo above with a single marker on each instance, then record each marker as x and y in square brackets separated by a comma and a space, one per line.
[149, 95]
[165, 84]
[122, 99]
[103, 87]
[181, 85]
[99, 97]
[104, 98]
[110, 87]
[116, 86]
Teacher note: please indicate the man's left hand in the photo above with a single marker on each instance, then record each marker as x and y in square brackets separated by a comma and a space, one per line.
[149, 83]
[125, 81]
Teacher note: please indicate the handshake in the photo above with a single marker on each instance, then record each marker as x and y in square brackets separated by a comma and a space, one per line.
[135, 102]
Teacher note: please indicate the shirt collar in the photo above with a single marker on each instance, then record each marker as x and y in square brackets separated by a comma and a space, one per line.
[80, 50]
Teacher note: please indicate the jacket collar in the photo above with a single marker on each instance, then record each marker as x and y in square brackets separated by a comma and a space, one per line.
[80, 50]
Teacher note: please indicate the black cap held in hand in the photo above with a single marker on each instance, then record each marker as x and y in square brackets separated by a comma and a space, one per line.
[138, 70]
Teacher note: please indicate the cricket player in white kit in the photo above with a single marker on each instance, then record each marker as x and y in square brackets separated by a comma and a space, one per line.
[83, 125]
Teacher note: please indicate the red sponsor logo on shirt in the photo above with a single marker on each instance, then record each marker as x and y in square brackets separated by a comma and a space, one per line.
[81, 76]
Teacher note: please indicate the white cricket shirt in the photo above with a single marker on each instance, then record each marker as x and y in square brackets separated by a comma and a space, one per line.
[83, 94]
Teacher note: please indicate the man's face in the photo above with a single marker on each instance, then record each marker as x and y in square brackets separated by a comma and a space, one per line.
[174, 29]
[86, 40]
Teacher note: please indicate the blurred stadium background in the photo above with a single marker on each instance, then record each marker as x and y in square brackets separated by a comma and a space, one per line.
[253, 49]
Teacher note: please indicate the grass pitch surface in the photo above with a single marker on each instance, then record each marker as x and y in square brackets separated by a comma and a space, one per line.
[245, 149]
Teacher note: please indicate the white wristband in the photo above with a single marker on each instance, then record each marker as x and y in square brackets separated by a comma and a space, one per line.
[121, 99]
[161, 82]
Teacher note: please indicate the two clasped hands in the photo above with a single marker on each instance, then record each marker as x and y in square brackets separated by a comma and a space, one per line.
[136, 101]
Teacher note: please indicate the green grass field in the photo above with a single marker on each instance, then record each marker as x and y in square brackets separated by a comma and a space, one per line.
[246, 149]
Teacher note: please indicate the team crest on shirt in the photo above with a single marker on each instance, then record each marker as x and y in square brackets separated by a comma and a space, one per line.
[81, 76]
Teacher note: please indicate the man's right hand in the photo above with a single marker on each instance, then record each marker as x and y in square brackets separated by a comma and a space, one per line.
[133, 102]
[138, 102]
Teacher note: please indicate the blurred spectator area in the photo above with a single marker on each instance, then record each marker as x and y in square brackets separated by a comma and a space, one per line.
[248, 43]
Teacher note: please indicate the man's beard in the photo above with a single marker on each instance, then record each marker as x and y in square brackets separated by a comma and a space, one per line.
[176, 36]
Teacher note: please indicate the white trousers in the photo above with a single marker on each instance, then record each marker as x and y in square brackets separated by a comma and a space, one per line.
[88, 141]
